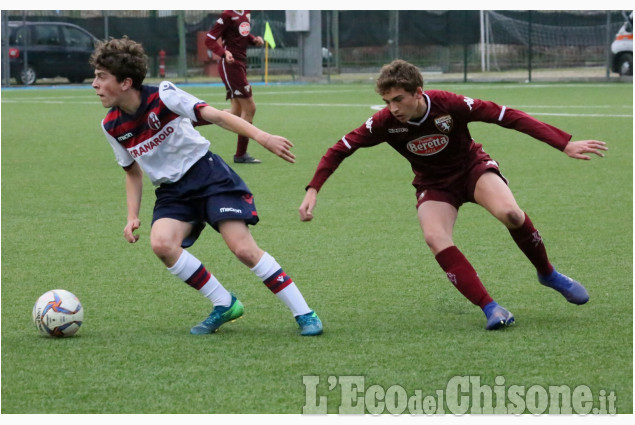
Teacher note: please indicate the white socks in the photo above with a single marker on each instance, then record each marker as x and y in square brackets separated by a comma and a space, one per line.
[190, 270]
[270, 272]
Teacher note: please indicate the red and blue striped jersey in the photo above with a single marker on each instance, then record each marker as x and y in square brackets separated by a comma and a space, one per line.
[160, 135]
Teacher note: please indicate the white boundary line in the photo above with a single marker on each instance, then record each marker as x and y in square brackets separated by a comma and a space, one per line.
[372, 107]
[74, 98]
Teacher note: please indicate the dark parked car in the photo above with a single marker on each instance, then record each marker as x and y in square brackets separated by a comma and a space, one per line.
[51, 49]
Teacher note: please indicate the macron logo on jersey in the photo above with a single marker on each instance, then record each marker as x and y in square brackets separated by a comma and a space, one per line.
[125, 137]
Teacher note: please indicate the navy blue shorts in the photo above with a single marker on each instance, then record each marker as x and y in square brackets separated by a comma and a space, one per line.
[209, 192]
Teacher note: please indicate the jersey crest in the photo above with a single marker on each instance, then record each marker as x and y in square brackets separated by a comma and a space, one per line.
[153, 121]
[444, 123]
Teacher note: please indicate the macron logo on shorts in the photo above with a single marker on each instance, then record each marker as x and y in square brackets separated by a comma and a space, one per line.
[232, 210]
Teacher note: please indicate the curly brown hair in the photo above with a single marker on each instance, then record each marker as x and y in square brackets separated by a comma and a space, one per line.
[122, 57]
[400, 74]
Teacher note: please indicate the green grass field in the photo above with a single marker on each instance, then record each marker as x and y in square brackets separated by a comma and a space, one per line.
[390, 315]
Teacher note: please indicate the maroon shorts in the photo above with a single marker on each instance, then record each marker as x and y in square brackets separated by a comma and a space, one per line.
[460, 189]
[234, 77]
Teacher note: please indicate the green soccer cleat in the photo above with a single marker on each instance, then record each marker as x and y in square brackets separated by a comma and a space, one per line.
[218, 316]
[310, 324]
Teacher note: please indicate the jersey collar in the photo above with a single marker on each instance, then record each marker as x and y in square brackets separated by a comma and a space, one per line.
[425, 116]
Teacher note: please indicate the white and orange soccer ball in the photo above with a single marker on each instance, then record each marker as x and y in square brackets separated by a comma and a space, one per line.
[58, 313]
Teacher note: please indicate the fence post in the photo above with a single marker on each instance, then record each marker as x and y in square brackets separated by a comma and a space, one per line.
[530, 44]
[6, 70]
[106, 25]
[608, 44]
[336, 40]
[465, 21]
[182, 52]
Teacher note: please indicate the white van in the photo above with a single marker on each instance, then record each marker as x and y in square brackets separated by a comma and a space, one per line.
[622, 48]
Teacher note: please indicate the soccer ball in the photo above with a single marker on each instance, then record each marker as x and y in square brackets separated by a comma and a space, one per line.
[58, 313]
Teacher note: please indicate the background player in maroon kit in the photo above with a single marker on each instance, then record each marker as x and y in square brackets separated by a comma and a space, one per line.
[234, 27]
[430, 130]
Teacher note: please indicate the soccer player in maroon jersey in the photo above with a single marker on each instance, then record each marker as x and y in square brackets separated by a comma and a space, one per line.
[234, 27]
[430, 130]
[151, 131]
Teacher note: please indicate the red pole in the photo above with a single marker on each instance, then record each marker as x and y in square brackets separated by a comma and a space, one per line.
[162, 63]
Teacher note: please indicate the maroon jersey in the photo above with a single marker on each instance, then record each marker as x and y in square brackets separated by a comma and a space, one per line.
[439, 145]
[234, 28]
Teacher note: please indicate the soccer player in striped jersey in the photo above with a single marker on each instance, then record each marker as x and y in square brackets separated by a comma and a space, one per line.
[151, 130]
[233, 27]
[430, 130]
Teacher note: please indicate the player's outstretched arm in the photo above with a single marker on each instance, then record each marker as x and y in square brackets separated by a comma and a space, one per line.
[275, 144]
[578, 149]
[306, 208]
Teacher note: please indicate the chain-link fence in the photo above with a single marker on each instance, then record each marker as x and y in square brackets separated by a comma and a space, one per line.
[450, 45]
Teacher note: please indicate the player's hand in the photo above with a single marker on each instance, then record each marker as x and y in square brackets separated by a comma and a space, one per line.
[306, 208]
[130, 228]
[258, 41]
[578, 149]
[229, 57]
[280, 146]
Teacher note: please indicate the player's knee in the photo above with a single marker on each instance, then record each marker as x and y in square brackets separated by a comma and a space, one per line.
[248, 114]
[162, 247]
[514, 217]
[437, 241]
[246, 254]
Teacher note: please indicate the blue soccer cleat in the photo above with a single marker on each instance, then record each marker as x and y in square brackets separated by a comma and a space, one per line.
[218, 316]
[497, 316]
[310, 324]
[572, 290]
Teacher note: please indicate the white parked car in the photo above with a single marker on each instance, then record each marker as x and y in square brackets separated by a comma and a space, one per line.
[622, 48]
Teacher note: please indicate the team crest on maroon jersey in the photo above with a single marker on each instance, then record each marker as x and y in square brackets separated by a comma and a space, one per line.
[153, 121]
[444, 123]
